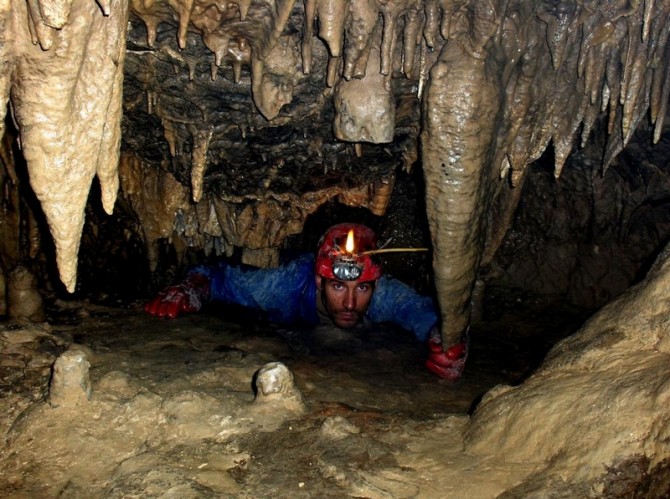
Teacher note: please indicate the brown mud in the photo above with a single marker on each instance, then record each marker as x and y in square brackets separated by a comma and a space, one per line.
[172, 413]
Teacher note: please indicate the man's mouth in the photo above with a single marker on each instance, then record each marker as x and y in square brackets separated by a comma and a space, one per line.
[348, 316]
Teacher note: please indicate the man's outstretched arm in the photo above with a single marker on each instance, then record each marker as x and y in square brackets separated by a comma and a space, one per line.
[396, 302]
[188, 296]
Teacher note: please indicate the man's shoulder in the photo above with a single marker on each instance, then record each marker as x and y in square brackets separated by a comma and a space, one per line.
[388, 282]
[300, 260]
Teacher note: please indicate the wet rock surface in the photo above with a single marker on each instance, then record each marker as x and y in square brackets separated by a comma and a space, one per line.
[172, 409]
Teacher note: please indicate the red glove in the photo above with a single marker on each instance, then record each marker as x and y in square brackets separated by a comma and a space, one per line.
[189, 296]
[449, 364]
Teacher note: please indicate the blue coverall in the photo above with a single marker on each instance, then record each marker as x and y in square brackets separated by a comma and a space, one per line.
[288, 295]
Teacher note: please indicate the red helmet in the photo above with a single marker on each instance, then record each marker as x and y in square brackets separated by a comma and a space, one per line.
[334, 261]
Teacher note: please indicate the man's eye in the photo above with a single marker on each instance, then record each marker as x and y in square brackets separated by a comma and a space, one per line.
[337, 285]
[364, 287]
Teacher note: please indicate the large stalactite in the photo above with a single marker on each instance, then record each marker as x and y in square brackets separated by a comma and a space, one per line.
[228, 108]
[63, 63]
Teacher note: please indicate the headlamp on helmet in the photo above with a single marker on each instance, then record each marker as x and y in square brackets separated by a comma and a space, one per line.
[342, 255]
[346, 266]
[345, 253]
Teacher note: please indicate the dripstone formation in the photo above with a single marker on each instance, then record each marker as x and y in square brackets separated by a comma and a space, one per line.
[225, 124]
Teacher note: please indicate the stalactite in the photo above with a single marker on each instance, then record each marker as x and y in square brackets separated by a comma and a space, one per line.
[361, 25]
[431, 27]
[381, 196]
[156, 197]
[364, 108]
[243, 8]
[388, 40]
[263, 257]
[658, 56]
[648, 11]
[69, 148]
[558, 24]
[590, 117]
[201, 140]
[107, 164]
[274, 78]
[627, 60]
[411, 39]
[152, 13]
[55, 13]
[332, 70]
[308, 36]
[284, 8]
[240, 55]
[42, 34]
[106, 6]
[600, 60]
[332, 16]
[207, 218]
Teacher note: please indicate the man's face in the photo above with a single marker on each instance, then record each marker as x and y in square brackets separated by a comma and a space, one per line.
[346, 301]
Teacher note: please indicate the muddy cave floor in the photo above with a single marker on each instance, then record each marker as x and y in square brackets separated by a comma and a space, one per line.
[172, 412]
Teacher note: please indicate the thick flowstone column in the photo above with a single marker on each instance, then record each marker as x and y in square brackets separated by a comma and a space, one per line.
[460, 117]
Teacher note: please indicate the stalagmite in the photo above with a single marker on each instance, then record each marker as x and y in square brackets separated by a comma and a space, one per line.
[598, 400]
[70, 382]
[24, 302]
[276, 388]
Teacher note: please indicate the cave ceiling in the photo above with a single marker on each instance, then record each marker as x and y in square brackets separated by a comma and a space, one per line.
[225, 124]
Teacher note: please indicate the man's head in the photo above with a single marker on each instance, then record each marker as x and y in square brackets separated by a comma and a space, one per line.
[345, 275]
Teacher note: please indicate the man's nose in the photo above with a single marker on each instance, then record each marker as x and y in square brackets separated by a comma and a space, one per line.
[350, 301]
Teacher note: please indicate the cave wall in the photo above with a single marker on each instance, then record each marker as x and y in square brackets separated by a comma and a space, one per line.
[586, 236]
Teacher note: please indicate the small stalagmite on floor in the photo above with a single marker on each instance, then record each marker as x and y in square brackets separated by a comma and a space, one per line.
[276, 390]
[70, 382]
[24, 302]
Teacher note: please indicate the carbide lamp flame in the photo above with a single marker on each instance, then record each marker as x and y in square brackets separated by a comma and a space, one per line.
[346, 267]
[349, 246]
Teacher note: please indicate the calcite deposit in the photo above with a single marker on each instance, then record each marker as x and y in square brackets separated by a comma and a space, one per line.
[70, 384]
[271, 108]
[225, 127]
[598, 404]
[276, 390]
[24, 302]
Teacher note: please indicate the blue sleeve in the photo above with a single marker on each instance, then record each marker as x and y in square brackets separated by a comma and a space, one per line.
[396, 302]
[287, 293]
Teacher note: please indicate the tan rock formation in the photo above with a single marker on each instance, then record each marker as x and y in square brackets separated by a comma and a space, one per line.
[511, 78]
[598, 403]
[64, 70]
[24, 302]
